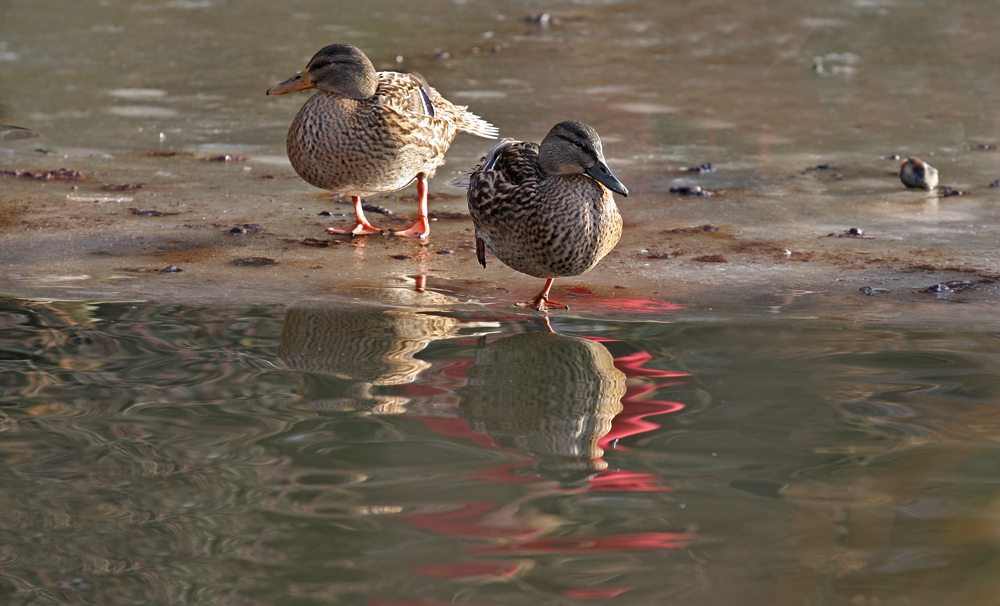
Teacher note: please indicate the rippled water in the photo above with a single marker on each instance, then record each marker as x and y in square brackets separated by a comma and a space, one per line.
[350, 454]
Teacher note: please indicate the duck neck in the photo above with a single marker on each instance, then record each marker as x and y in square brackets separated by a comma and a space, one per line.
[358, 85]
[555, 161]
[355, 79]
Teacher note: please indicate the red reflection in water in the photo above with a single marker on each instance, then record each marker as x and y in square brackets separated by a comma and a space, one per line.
[621, 542]
[510, 528]
[632, 306]
[631, 420]
[584, 301]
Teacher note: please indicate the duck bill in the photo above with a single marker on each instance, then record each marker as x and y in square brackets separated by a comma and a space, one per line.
[300, 81]
[602, 173]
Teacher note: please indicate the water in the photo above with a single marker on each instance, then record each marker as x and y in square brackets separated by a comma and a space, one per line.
[350, 454]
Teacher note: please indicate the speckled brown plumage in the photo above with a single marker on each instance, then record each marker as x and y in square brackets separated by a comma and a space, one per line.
[541, 209]
[374, 145]
[367, 132]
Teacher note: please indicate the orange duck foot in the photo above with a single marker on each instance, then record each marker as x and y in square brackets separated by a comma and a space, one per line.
[542, 303]
[360, 229]
[420, 229]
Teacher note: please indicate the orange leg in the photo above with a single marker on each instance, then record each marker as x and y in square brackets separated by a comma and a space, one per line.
[361, 227]
[421, 228]
[541, 302]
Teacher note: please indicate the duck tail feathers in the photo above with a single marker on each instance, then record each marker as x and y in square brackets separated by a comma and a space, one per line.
[474, 125]
[488, 162]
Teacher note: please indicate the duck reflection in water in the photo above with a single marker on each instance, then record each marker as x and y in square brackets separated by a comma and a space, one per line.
[347, 352]
[9, 132]
[548, 395]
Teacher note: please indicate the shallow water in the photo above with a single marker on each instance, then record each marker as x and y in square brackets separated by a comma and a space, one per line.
[355, 455]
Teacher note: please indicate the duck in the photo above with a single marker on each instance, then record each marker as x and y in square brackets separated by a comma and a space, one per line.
[546, 210]
[366, 132]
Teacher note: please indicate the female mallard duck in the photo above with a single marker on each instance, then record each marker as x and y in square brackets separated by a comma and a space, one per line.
[368, 132]
[546, 210]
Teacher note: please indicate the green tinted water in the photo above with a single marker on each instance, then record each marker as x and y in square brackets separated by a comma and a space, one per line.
[347, 454]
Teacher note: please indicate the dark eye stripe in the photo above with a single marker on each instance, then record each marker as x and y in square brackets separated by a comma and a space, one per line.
[579, 144]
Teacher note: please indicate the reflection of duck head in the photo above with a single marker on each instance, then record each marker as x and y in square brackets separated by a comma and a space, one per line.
[9, 132]
[547, 394]
[346, 350]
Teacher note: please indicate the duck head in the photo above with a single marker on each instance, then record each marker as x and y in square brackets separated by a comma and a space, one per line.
[337, 68]
[572, 147]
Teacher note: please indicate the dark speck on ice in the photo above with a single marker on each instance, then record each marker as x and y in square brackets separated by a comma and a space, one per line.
[225, 158]
[701, 229]
[254, 261]
[150, 213]
[246, 228]
[947, 192]
[691, 190]
[940, 288]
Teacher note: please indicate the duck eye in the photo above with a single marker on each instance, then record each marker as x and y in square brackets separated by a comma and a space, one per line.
[578, 144]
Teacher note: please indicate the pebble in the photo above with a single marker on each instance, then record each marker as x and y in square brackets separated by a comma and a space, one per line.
[940, 288]
[819, 167]
[917, 174]
[947, 192]
[690, 190]
[254, 261]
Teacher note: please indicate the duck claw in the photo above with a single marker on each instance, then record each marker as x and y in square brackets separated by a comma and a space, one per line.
[542, 304]
[360, 229]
